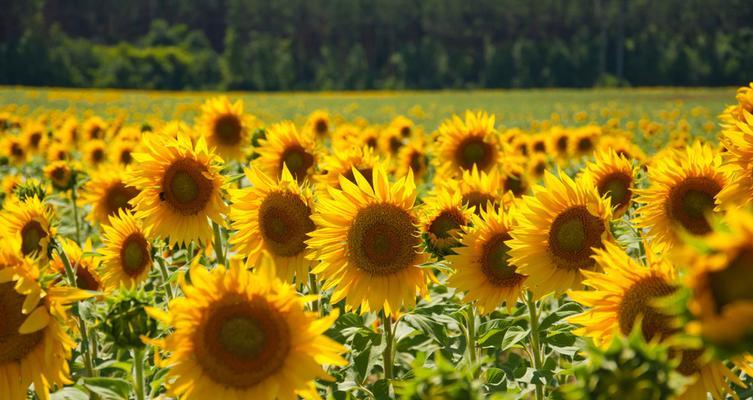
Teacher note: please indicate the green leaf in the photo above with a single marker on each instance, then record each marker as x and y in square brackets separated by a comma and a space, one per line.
[108, 388]
[69, 393]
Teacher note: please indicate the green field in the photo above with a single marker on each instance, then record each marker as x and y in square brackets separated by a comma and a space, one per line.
[512, 107]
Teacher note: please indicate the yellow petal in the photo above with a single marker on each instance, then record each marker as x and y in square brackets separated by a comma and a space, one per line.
[37, 320]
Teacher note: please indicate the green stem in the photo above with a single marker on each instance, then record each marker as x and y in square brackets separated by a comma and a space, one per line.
[314, 289]
[218, 250]
[138, 368]
[85, 345]
[75, 212]
[471, 324]
[535, 344]
[388, 339]
[166, 278]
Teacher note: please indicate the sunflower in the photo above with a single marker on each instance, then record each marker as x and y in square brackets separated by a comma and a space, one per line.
[85, 265]
[403, 125]
[744, 104]
[35, 348]
[318, 123]
[95, 153]
[342, 163]
[515, 180]
[180, 188]
[29, 221]
[10, 182]
[682, 193]
[284, 145]
[614, 177]
[367, 243]
[537, 165]
[559, 141]
[412, 156]
[225, 127]
[126, 256]
[539, 144]
[368, 136]
[174, 129]
[58, 152]
[244, 336]
[739, 163]
[477, 189]
[67, 135]
[390, 141]
[482, 265]
[107, 193]
[625, 293]
[14, 150]
[94, 128]
[60, 174]
[122, 152]
[623, 146]
[442, 220]
[273, 216]
[584, 141]
[465, 144]
[34, 137]
[556, 232]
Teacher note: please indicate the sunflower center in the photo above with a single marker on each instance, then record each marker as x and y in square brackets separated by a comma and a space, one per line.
[125, 157]
[242, 341]
[734, 283]
[321, 127]
[573, 235]
[636, 301]
[562, 144]
[405, 131]
[59, 174]
[98, 155]
[494, 262]
[689, 362]
[96, 132]
[185, 186]
[382, 239]
[477, 201]
[227, 129]
[514, 183]
[134, 255]
[616, 185]
[35, 138]
[395, 144]
[585, 144]
[539, 168]
[31, 235]
[447, 223]
[417, 163]
[539, 147]
[13, 345]
[474, 150]
[16, 149]
[298, 161]
[690, 201]
[285, 222]
[118, 196]
[85, 279]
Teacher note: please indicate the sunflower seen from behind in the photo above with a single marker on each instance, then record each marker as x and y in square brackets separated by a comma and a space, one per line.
[180, 189]
[225, 127]
[285, 145]
[614, 177]
[273, 216]
[682, 194]
[244, 336]
[126, 255]
[556, 231]
[367, 243]
[482, 267]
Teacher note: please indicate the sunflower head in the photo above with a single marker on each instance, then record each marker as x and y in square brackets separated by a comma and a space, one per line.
[107, 192]
[403, 125]
[84, 265]
[614, 177]
[463, 144]
[225, 127]
[94, 128]
[477, 189]
[286, 146]
[60, 173]
[127, 252]
[442, 221]
[413, 156]
[739, 164]
[30, 221]
[95, 153]
[318, 123]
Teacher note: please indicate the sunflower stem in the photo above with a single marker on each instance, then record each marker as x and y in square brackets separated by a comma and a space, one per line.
[218, 250]
[388, 339]
[471, 325]
[314, 290]
[75, 212]
[535, 344]
[85, 344]
[166, 278]
[138, 368]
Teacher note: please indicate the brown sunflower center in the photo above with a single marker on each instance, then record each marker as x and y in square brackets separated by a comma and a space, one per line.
[515, 184]
[35, 138]
[125, 157]
[134, 254]
[98, 155]
[561, 144]
[285, 222]
[585, 144]
[417, 163]
[382, 239]
[85, 279]
[60, 174]
[405, 131]
[495, 262]
[574, 234]
[242, 341]
[118, 196]
[32, 234]
[95, 133]
[616, 186]
[367, 173]
[474, 150]
[447, 223]
[539, 147]
[539, 168]
[477, 200]
[690, 201]
[689, 362]
[227, 130]
[321, 127]
[395, 144]
[637, 301]
[371, 142]
[298, 161]
[185, 186]
[13, 345]
[734, 283]
[16, 149]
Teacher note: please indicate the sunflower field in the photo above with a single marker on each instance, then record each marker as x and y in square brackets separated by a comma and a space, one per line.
[472, 245]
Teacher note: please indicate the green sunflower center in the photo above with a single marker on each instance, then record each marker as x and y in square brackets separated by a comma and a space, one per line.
[495, 262]
[616, 186]
[285, 222]
[573, 235]
[242, 335]
[118, 196]
[298, 161]
[185, 186]
[690, 201]
[447, 223]
[134, 255]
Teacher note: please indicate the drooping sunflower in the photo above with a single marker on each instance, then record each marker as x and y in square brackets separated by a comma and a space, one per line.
[30, 221]
[273, 216]
[414, 156]
[244, 336]
[60, 174]
[180, 188]
[482, 265]
[35, 348]
[614, 177]
[556, 233]
[442, 220]
[85, 266]
[367, 243]
[225, 127]
[463, 144]
[318, 123]
[739, 163]
[126, 255]
[107, 192]
[95, 153]
[477, 189]
[341, 163]
[284, 145]
[682, 193]
[625, 293]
